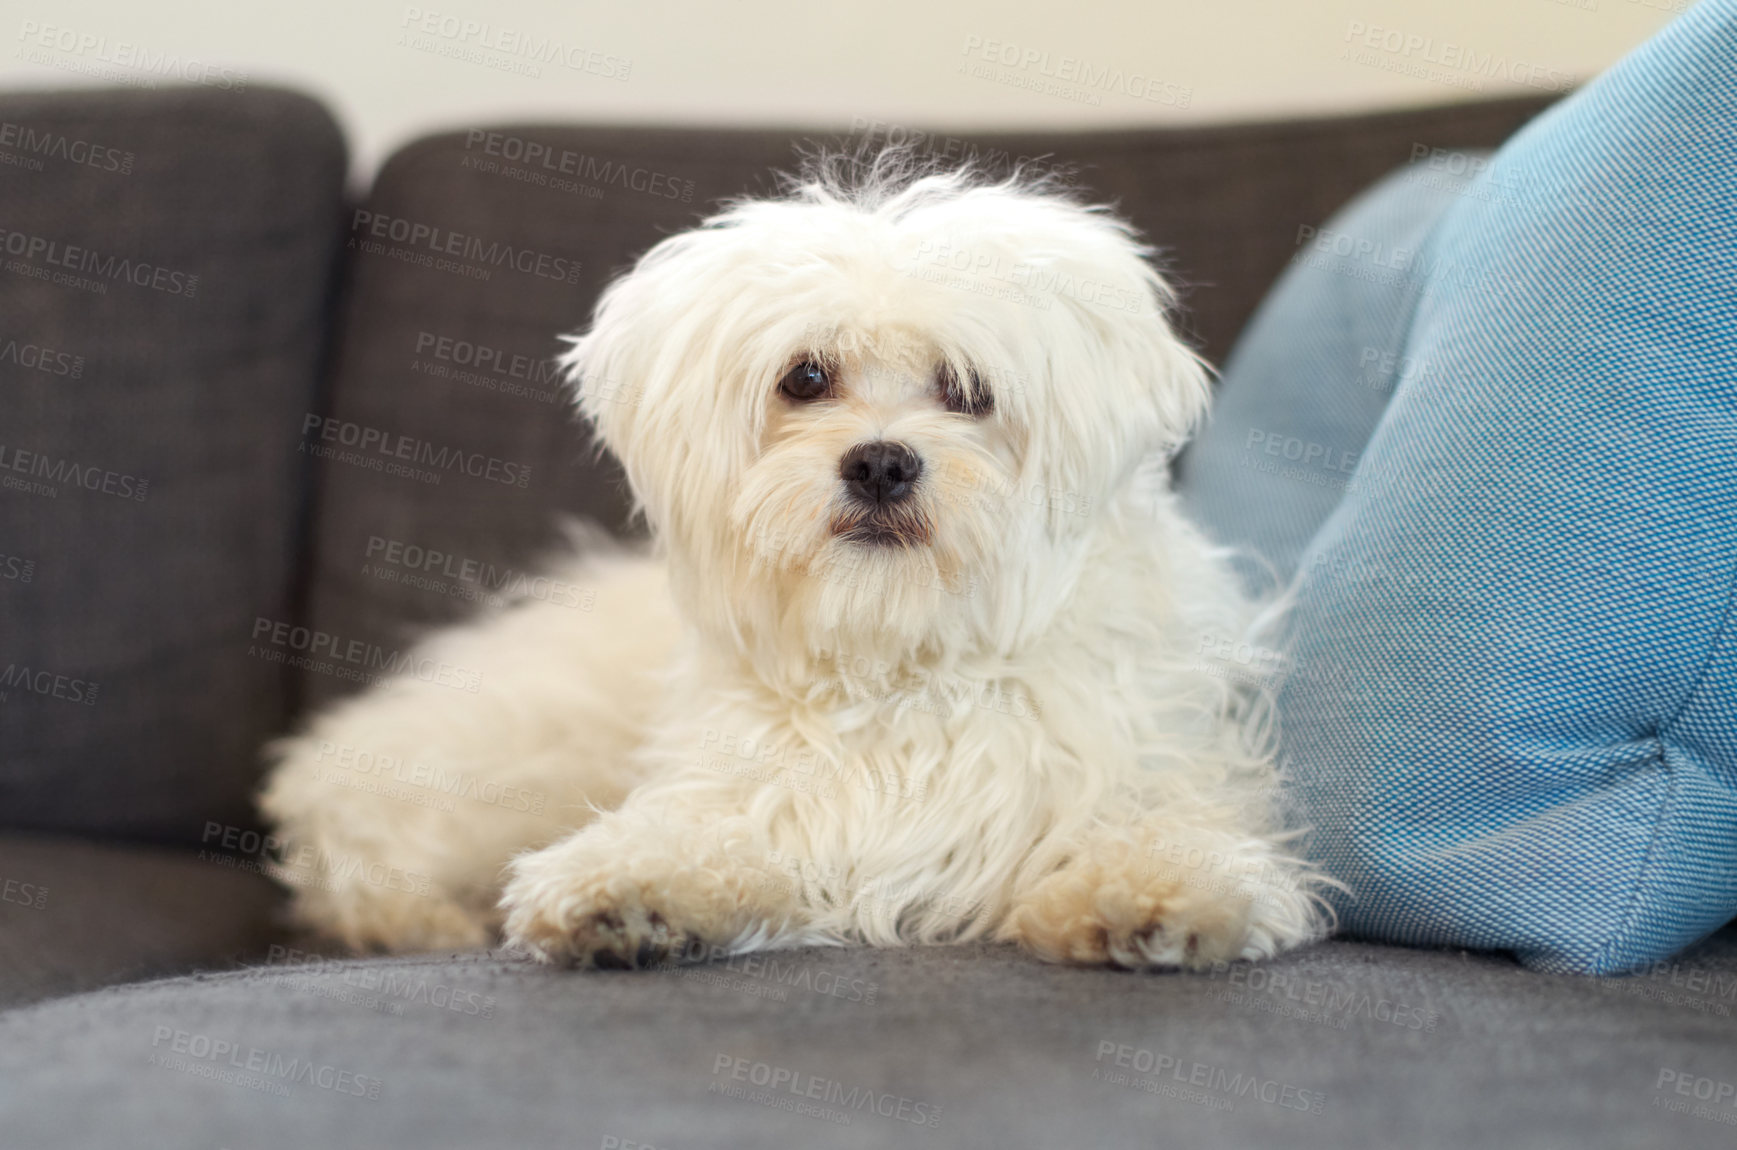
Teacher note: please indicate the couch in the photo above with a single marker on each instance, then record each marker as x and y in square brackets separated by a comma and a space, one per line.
[259, 431]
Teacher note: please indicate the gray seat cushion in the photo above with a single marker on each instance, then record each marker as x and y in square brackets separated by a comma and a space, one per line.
[77, 915]
[1342, 1045]
[449, 450]
[164, 281]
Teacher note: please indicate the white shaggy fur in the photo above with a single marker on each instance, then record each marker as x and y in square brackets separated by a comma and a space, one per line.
[772, 733]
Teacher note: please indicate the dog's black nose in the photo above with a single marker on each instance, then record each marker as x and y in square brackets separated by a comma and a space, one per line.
[880, 472]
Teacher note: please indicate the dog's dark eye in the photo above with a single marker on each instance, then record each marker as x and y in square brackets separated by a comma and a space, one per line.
[807, 380]
[974, 400]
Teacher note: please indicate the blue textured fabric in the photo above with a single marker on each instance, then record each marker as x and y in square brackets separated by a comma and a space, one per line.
[1311, 376]
[1510, 713]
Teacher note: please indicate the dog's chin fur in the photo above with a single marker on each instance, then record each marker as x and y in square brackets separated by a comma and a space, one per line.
[989, 708]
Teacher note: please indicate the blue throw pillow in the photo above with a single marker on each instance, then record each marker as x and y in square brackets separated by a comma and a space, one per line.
[1311, 376]
[1510, 708]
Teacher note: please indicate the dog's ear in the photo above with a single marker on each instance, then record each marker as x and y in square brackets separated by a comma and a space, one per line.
[649, 376]
[1121, 386]
[1171, 385]
[609, 365]
[1161, 388]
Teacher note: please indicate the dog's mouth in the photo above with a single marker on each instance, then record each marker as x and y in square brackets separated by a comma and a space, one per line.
[883, 527]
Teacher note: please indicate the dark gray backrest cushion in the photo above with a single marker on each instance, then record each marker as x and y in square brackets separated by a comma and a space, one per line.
[166, 259]
[450, 450]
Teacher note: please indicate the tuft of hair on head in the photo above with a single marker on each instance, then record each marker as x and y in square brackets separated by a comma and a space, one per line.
[898, 177]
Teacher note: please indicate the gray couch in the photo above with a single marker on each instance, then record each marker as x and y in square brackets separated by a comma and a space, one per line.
[198, 330]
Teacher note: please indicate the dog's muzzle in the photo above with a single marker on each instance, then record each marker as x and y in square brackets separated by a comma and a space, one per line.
[880, 478]
[880, 474]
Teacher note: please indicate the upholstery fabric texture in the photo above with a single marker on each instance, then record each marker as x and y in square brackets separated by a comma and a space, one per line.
[1345, 1044]
[78, 915]
[165, 276]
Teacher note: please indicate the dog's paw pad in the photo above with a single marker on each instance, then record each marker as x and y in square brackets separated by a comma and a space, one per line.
[623, 934]
[1086, 916]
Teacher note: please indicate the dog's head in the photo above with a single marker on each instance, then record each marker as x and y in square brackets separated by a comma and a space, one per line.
[891, 406]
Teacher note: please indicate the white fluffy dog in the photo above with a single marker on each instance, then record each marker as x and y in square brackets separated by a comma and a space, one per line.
[926, 652]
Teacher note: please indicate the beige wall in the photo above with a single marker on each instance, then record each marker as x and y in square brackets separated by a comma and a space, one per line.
[956, 64]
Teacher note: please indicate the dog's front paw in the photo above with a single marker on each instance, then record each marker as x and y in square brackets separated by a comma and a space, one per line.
[612, 926]
[593, 900]
[1114, 905]
[1092, 913]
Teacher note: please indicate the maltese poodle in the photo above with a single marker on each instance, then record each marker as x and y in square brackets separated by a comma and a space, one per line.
[923, 652]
